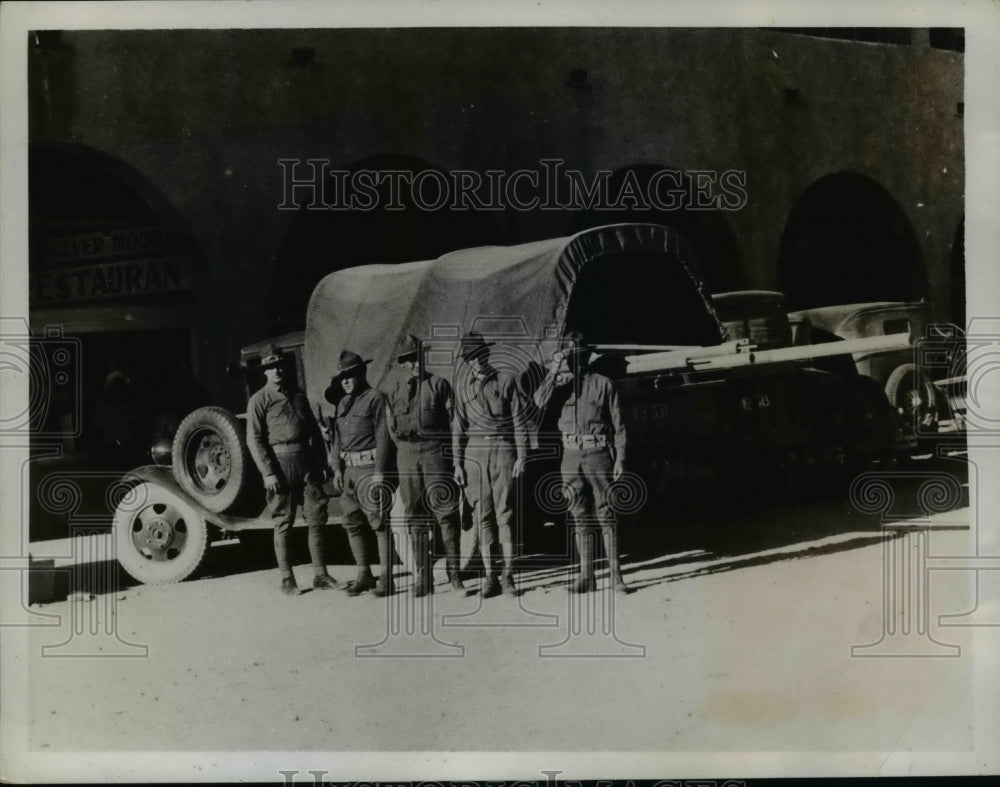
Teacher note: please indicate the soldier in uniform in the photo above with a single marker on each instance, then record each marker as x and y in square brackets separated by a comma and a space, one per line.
[286, 444]
[420, 412]
[490, 447]
[359, 456]
[593, 437]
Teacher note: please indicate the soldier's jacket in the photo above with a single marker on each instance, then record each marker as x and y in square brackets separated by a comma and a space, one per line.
[359, 424]
[427, 415]
[588, 405]
[281, 417]
[489, 405]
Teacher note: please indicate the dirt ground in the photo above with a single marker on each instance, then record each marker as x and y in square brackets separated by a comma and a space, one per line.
[736, 640]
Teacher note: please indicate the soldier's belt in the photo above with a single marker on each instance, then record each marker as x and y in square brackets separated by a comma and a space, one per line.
[474, 437]
[585, 440]
[429, 439]
[358, 458]
[288, 448]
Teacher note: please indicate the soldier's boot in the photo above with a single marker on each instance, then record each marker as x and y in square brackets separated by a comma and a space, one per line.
[491, 583]
[453, 562]
[321, 577]
[385, 585]
[585, 548]
[324, 582]
[288, 586]
[364, 579]
[423, 581]
[454, 575]
[507, 579]
[614, 566]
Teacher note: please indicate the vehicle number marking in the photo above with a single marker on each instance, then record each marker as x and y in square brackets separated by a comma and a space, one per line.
[759, 402]
[656, 411]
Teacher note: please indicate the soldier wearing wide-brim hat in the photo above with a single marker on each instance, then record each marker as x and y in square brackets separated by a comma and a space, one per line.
[272, 357]
[285, 443]
[359, 456]
[408, 348]
[420, 412]
[351, 366]
[490, 446]
[594, 443]
[574, 347]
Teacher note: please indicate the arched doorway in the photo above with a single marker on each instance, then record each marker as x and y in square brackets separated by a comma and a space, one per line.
[720, 262]
[321, 241]
[111, 265]
[848, 241]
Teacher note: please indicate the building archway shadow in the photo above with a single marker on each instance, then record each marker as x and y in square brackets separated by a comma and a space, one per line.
[848, 240]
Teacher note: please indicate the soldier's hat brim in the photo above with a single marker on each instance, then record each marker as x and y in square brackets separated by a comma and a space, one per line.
[410, 345]
[574, 345]
[352, 368]
[333, 391]
[271, 360]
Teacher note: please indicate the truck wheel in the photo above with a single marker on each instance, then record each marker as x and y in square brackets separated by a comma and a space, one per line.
[210, 458]
[159, 537]
[913, 396]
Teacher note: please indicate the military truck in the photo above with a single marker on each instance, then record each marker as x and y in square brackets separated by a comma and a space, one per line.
[695, 401]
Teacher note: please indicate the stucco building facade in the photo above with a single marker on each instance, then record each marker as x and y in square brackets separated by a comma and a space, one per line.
[161, 221]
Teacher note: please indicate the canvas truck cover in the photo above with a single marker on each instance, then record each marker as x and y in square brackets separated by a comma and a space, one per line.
[625, 283]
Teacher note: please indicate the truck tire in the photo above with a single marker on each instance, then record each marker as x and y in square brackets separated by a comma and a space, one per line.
[913, 396]
[159, 537]
[211, 461]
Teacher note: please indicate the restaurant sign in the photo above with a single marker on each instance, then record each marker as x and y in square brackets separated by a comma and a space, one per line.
[120, 279]
[131, 242]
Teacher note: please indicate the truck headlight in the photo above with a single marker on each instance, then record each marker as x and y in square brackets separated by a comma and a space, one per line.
[160, 451]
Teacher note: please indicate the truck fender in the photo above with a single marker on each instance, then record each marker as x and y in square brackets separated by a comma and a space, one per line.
[162, 476]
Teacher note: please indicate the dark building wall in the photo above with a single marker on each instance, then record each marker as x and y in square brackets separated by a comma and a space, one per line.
[204, 116]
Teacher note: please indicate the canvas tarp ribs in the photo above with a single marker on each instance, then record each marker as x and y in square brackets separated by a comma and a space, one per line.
[519, 294]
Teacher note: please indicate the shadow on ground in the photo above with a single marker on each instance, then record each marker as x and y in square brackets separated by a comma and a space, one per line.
[708, 529]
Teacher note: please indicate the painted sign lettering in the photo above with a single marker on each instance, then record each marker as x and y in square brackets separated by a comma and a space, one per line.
[136, 241]
[110, 280]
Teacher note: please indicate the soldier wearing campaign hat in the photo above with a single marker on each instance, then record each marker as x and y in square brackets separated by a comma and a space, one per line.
[594, 441]
[286, 445]
[490, 446]
[359, 455]
[420, 412]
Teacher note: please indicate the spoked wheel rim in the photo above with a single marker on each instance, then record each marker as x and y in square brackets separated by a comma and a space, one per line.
[208, 461]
